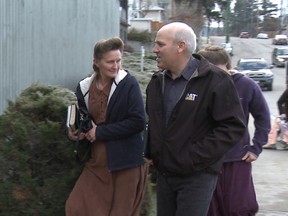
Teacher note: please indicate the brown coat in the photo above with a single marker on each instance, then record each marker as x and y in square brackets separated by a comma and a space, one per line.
[99, 192]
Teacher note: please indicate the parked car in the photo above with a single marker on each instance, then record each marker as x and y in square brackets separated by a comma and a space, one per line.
[257, 69]
[262, 36]
[280, 40]
[279, 56]
[228, 47]
[244, 35]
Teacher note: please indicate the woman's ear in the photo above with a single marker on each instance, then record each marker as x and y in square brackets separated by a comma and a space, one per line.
[95, 62]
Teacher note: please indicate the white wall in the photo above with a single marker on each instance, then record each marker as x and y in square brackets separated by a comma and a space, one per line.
[141, 24]
[154, 15]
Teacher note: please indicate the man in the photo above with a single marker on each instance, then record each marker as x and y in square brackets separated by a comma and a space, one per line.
[235, 193]
[195, 117]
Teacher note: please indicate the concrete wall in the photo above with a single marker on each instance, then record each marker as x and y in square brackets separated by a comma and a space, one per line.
[50, 41]
[141, 24]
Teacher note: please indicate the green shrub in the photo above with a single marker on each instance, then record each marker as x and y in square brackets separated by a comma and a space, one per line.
[141, 36]
[38, 168]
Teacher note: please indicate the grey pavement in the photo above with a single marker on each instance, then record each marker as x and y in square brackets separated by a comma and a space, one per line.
[270, 176]
[271, 182]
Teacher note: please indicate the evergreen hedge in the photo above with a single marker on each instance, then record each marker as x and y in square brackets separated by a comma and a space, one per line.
[141, 36]
[38, 167]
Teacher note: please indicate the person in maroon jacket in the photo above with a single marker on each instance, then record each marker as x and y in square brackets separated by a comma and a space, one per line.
[235, 193]
[195, 117]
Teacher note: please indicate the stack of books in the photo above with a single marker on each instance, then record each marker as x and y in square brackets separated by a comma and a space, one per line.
[72, 116]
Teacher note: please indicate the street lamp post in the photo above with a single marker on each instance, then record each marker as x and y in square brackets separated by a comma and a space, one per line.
[281, 18]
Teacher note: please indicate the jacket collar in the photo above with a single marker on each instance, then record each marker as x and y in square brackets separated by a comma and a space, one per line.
[86, 83]
[120, 76]
[203, 68]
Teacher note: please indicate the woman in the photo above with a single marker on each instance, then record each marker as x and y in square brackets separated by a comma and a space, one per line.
[113, 180]
[282, 104]
[278, 136]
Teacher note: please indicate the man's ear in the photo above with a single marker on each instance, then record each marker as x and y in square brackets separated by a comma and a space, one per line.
[181, 46]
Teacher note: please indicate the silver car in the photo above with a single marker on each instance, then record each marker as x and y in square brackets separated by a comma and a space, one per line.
[258, 70]
[279, 56]
[262, 36]
[228, 47]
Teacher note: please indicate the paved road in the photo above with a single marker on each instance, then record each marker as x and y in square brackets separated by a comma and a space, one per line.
[270, 170]
[271, 182]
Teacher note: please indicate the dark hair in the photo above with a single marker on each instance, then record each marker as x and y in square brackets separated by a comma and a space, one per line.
[216, 55]
[103, 46]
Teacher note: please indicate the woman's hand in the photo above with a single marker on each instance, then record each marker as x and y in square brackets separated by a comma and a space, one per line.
[91, 134]
[73, 135]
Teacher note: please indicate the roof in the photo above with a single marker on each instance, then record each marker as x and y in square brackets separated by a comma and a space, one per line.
[251, 59]
[280, 36]
[153, 8]
[281, 47]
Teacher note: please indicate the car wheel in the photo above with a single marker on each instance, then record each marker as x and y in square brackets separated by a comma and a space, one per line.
[270, 87]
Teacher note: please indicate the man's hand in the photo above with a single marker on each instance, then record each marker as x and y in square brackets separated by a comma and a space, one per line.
[249, 157]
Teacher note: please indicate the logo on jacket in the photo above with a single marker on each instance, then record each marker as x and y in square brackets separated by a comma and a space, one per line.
[191, 97]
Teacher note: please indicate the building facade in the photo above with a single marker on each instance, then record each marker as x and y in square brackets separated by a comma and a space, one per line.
[52, 42]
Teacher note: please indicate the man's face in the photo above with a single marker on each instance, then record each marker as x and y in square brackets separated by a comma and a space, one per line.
[165, 49]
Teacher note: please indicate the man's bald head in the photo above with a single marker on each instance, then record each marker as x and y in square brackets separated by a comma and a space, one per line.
[181, 32]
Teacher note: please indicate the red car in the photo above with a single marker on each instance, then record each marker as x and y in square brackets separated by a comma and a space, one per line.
[244, 35]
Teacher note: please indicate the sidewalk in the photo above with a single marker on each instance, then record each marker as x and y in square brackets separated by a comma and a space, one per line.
[270, 174]
[203, 42]
[271, 182]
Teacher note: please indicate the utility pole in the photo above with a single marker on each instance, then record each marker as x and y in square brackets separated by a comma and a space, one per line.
[281, 17]
[208, 31]
[227, 20]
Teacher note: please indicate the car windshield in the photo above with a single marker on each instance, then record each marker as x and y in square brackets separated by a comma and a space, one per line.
[280, 36]
[228, 45]
[283, 52]
[252, 65]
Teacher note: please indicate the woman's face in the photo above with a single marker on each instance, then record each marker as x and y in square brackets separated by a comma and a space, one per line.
[109, 64]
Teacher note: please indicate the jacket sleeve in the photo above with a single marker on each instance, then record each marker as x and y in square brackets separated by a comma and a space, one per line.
[260, 111]
[228, 128]
[126, 117]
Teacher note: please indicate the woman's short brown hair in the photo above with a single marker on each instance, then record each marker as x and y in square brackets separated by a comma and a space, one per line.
[103, 46]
